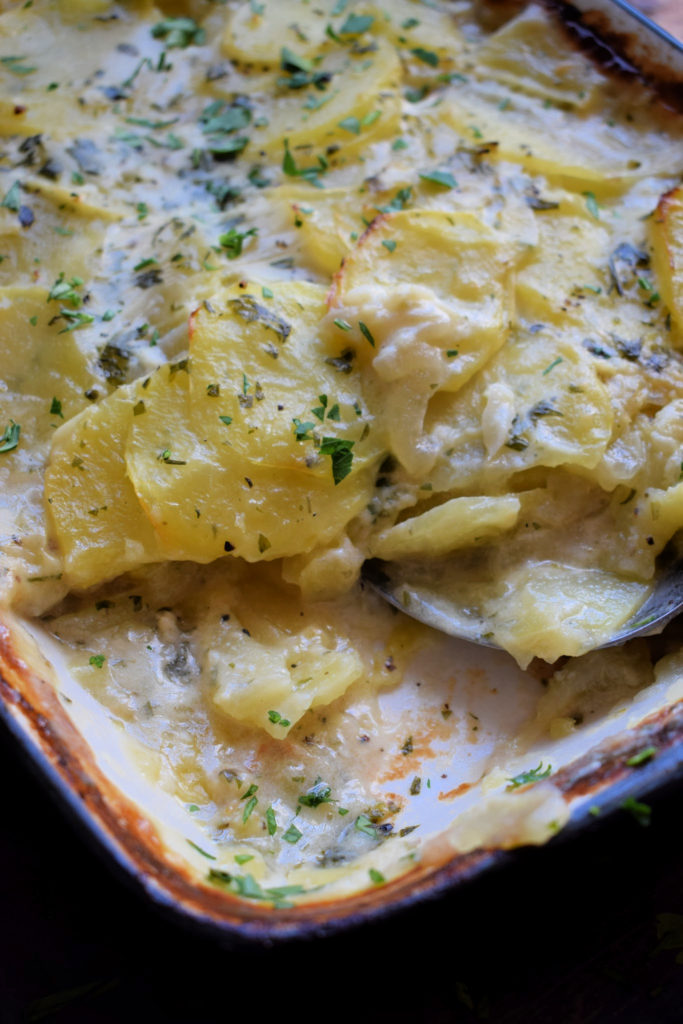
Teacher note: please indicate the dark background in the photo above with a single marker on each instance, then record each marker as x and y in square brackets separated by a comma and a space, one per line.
[566, 933]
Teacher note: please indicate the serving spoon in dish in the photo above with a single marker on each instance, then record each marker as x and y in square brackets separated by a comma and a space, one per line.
[421, 591]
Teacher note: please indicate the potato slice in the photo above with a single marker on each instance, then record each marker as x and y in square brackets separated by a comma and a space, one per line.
[46, 376]
[271, 685]
[581, 152]
[256, 37]
[205, 498]
[432, 293]
[455, 524]
[443, 277]
[554, 411]
[37, 357]
[431, 31]
[96, 519]
[360, 105]
[532, 54]
[550, 610]
[266, 383]
[328, 222]
[666, 234]
[572, 253]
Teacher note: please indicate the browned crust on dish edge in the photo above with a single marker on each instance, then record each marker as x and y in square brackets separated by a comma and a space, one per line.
[622, 54]
[139, 849]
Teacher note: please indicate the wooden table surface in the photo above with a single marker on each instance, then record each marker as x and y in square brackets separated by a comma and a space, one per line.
[668, 13]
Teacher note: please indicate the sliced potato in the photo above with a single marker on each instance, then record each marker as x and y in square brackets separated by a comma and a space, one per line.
[455, 524]
[98, 525]
[549, 610]
[531, 53]
[569, 265]
[666, 233]
[256, 37]
[430, 41]
[204, 498]
[579, 152]
[37, 356]
[425, 297]
[265, 383]
[555, 411]
[433, 288]
[360, 105]
[328, 222]
[271, 685]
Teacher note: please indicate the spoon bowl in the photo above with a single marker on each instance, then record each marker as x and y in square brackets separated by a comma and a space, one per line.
[418, 590]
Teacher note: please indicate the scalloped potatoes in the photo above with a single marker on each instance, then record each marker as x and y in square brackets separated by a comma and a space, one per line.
[287, 287]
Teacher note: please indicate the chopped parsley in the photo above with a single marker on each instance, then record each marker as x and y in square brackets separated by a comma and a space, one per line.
[248, 808]
[528, 777]
[642, 813]
[356, 24]
[10, 438]
[592, 205]
[277, 719]
[364, 825]
[97, 660]
[209, 856]
[365, 331]
[319, 793]
[233, 241]
[443, 178]
[642, 757]
[302, 431]
[350, 124]
[426, 56]
[342, 457]
[292, 835]
[75, 320]
[271, 822]
[65, 291]
[11, 199]
[310, 174]
[179, 32]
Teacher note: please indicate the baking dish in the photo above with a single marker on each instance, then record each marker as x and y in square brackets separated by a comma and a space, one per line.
[86, 760]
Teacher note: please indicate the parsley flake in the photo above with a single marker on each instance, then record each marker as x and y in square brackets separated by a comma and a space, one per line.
[271, 822]
[276, 718]
[342, 457]
[233, 241]
[533, 775]
[292, 835]
[319, 793]
[179, 32]
[356, 24]
[443, 178]
[642, 756]
[426, 56]
[365, 331]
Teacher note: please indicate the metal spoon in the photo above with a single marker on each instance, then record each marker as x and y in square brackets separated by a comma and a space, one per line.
[414, 588]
